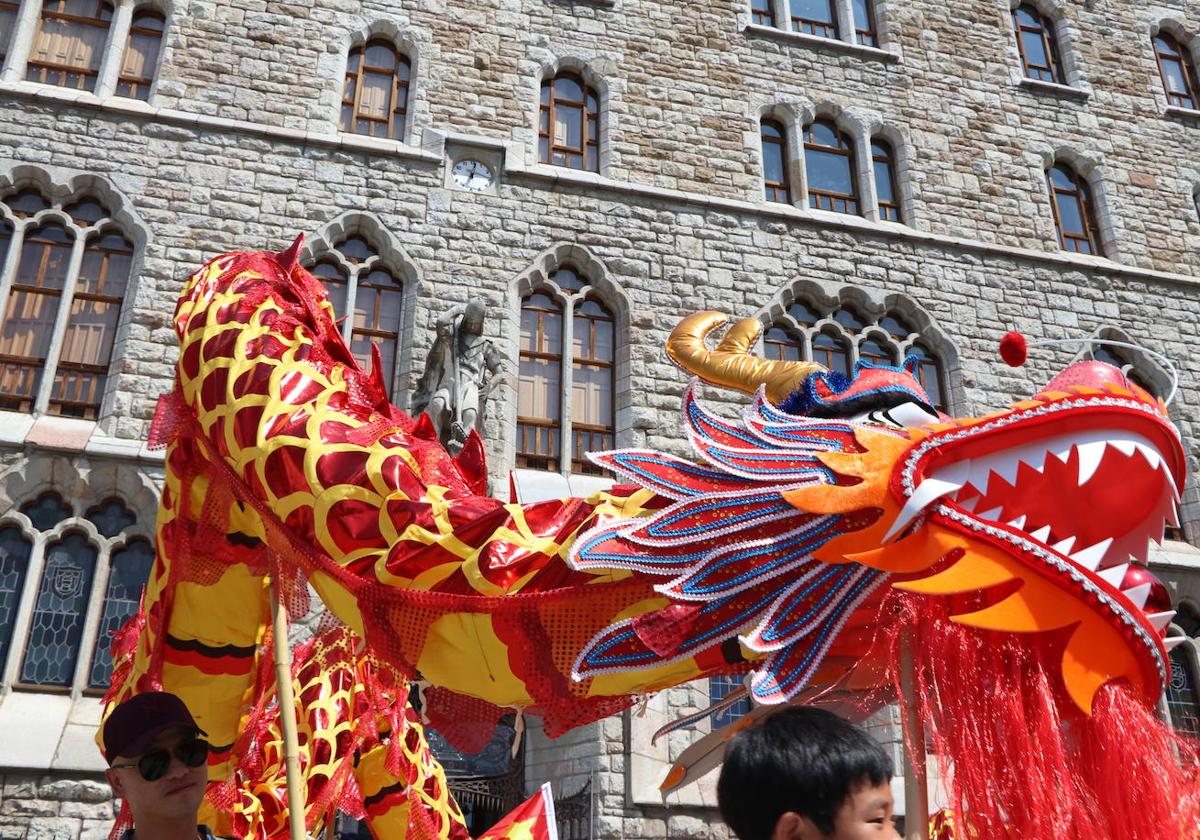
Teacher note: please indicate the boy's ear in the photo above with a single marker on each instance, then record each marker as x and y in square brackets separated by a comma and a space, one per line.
[792, 826]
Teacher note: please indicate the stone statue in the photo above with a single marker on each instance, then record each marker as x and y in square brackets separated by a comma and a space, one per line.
[461, 369]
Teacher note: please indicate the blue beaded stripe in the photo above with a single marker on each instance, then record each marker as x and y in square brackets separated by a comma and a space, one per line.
[816, 647]
[739, 461]
[661, 527]
[784, 623]
[595, 658]
[701, 422]
[631, 462]
[586, 552]
[801, 546]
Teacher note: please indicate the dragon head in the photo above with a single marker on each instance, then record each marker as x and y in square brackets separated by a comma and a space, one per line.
[1043, 512]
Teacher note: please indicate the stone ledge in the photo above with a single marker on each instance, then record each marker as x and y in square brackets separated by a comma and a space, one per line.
[816, 42]
[1037, 86]
[1185, 114]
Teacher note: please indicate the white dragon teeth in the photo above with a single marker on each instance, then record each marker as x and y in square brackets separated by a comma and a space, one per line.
[1090, 456]
[1114, 575]
[1065, 546]
[1173, 642]
[1041, 534]
[930, 490]
[1138, 594]
[1019, 522]
[992, 515]
[1160, 620]
[1089, 558]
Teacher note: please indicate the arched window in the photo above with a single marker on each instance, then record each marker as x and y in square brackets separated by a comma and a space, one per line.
[592, 383]
[375, 96]
[831, 351]
[883, 161]
[129, 570]
[1183, 699]
[1178, 72]
[1037, 44]
[853, 337]
[829, 164]
[50, 295]
[92, 326]
[815, 17]
[141, 54]
[569, 123]
[1074, 216]
[1195, 204]
[32, 308]
[50, 573]
[539, 390]
[547, 371]
[8, 24]
[775, 162]
[69, 44]
[864, 23]
[761, 14]
[358, 283]
[15, 548]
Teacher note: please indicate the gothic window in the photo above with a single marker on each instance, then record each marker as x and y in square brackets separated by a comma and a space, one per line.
[69, 44]
[829, 164]
[358, 284]
[719, 688]
[569, 123]
[761, 14]
[548, 316]
[1074, 214]
[775, 162]
[1182, 695]
[815, 17]
[883, 161]
[59, 314]
[864, 23]
[375, 95]
[841, 336]
[1037, 45]
[8, 23]
[1178, 72]
[141, 54]
[52, 635]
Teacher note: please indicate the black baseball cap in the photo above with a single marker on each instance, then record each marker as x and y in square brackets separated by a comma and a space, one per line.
[135, 723]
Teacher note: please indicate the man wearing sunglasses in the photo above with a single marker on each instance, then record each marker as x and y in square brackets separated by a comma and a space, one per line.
[157, 764]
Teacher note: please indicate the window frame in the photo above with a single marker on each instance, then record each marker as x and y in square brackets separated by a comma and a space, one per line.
[831, 30]
[147, 82]
[888, 211]
[396, 129]
[1081, 192]
[1187, 69]
[547, 120]
[47, 67]
[357, 273]
[817, 198]
[567, 460]
[1049, 37]
[776, 191]
[106, 547]
[56, 213]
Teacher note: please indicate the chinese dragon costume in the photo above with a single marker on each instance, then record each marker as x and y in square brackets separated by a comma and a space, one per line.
[838, 521]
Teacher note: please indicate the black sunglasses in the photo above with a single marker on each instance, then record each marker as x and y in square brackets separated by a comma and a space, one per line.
[153, 765]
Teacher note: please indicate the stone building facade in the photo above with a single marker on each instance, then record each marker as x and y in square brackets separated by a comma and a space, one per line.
[227, 130]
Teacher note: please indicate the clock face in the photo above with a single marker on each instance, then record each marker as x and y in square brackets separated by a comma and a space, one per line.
[472, 175]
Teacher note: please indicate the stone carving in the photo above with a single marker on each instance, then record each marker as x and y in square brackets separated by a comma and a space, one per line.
[461, 370]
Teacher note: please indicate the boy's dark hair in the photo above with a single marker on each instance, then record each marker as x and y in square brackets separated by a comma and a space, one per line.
[800, 759]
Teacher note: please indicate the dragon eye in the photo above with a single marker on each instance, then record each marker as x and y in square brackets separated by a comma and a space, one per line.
[903, 416]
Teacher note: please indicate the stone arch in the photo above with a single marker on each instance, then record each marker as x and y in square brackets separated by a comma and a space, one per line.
[902, 151]
[1090, 166]
[789, 113]
[827, 296]
[390, 255]
[598, 72]
[1067, 36]
[412, 43]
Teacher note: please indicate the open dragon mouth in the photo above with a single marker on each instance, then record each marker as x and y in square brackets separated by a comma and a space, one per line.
[1079, 482]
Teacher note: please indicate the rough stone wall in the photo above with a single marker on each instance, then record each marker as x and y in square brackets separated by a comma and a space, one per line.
[34, 807]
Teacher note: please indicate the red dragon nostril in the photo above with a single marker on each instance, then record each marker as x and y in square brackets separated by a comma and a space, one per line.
[1091, 374]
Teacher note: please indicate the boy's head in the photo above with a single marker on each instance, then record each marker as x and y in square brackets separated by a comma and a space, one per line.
[806, 774]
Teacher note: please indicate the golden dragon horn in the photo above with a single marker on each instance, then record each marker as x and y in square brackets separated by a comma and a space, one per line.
[731, 364]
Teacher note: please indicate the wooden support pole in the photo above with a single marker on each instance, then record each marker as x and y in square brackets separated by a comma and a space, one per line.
[916, 784]
[287, 718]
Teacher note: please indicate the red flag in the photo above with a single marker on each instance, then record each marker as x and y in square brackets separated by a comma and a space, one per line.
[533, 819]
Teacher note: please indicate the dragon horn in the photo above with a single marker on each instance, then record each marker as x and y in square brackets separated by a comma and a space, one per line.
[731, 364]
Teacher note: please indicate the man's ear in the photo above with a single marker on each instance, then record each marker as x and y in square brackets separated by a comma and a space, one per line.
[114, 781]
[792, 826]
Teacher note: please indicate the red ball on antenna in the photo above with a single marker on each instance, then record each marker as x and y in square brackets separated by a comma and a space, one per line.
[1013, 349]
